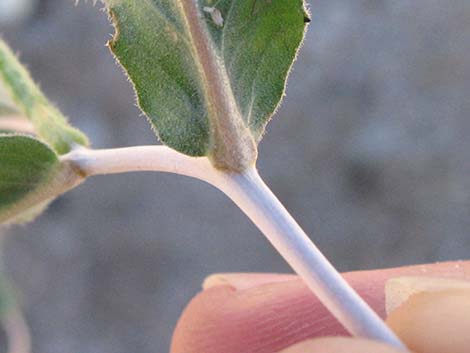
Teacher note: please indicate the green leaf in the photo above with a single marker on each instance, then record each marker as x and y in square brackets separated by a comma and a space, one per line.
[30, 176]
[26, 164]
[49, 123]
[210, 75]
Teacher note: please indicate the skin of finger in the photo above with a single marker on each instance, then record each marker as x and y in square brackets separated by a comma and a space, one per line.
[272, 316]
[340, 345]
[434, 322]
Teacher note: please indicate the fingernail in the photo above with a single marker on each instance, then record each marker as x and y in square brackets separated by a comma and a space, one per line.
[242, 281]
[399, 290]
[434, 321]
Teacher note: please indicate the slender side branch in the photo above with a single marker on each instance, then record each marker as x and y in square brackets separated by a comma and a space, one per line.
[256, 200]
[138, 158]
[17, 332]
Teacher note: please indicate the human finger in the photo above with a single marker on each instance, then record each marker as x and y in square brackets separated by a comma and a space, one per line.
[265, 313]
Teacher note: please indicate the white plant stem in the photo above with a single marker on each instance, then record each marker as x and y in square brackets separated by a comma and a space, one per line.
[251, 195]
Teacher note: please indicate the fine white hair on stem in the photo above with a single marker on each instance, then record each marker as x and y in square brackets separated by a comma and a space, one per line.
[256, 200]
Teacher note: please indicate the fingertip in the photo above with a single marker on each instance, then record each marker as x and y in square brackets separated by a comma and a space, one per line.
[340, 345]
[244, 311]
[266, 319]
[201, 321]
[434, 322]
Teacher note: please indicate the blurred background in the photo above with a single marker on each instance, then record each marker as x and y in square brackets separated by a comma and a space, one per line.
[370, 152]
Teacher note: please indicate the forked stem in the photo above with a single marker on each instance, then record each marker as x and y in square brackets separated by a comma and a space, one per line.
[251, 195]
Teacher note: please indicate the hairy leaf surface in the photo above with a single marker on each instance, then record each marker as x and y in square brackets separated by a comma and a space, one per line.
[208, 74]
[49, 123]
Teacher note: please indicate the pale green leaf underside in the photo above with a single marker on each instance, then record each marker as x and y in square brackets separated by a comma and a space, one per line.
[7, 107]
[48, 121]
[255, 46]
[10, 117]
[7, 110]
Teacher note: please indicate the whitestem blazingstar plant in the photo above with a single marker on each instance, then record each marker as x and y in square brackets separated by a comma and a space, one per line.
[208, 75]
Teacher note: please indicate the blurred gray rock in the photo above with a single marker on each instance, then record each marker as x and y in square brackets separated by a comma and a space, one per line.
[370, 153]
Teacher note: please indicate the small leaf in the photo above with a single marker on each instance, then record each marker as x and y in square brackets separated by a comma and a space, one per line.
[30, 176]
[48, 121]
[209, 74]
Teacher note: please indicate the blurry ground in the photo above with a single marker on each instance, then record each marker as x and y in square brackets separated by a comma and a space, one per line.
[370, 152]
